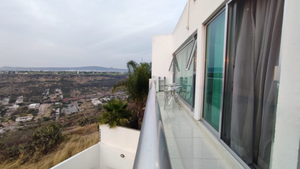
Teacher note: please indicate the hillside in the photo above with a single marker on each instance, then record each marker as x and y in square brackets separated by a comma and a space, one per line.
[31, 86]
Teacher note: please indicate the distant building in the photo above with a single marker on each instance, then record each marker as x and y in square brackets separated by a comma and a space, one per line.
[104, 100]
[26, 118]
[5, 101]
[34, 106]
[96, 101]
[15, 106]
[19, 100]
[72, 108]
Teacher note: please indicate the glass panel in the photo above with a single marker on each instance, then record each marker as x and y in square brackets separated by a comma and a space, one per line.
[250, 93]
[185, 77]
[214, 70]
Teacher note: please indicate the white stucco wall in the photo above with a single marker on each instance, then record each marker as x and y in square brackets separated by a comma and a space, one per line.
[88, 159]
[106, 154]
[162, 47]
[117, 141]
[120, 137]
[287, 129]
[110, 158]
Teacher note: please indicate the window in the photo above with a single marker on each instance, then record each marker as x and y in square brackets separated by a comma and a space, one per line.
[185, 70]
[214, 70]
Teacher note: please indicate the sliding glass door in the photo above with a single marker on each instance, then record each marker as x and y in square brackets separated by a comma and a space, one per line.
[250, 92]
[214, 70]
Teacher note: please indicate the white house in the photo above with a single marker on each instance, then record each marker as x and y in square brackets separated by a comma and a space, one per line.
[15, 106]
[237, 62]
[34, 106]
[96, 101]
[26, 118]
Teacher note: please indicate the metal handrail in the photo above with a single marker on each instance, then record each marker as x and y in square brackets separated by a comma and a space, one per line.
[152, 151]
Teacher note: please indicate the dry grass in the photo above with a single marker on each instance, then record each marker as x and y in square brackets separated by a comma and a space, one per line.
[78, 139]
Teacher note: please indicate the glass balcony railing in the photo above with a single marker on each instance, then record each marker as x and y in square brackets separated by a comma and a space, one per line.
[152, 151]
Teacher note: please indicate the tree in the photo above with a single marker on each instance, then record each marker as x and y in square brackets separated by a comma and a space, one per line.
[2, 111]
[22, 110]
[12, 118]
[115, 113]
[137, 85]
[12, 100]
[46, 118]
[99, 107]
[62, 114]
[34, 112]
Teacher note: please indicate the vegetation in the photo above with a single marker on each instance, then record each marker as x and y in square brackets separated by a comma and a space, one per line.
[86, 120]
[31, 86]
[12, 118]
[34, 112]
[50, 139]
[2, 111]
[74, 141]
[46, 118]
[47, 138]
[12, 100]
[116, 113]
[137, 85]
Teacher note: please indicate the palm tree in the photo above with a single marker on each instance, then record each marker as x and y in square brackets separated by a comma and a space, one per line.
[115, 113]
[137, 85]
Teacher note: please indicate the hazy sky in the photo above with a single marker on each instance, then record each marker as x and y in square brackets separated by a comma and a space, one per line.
[66, 33]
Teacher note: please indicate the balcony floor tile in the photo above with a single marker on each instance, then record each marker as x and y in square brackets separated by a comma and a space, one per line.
[187, 143]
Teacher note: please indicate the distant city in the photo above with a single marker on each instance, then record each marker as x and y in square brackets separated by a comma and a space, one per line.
[85, 68]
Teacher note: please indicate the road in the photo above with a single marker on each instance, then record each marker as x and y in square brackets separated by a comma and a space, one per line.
[43, 108]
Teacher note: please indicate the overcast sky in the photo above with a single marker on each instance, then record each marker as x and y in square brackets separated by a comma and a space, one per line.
[67, 33]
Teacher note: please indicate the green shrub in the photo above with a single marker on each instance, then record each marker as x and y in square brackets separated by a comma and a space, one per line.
[13, 151]
[34, 112]
[47, 138]
[12, 118]
[46, 118]
[83, 121]
[62, 114]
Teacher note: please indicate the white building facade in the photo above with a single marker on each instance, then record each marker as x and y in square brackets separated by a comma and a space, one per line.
[237, 64]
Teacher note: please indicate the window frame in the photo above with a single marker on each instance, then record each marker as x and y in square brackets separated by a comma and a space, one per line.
[216, 133]
[191, 39]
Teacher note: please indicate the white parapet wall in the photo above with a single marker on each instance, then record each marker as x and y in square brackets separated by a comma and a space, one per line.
[162, 48]
[87, 159]
[116, 150]
[116, 142]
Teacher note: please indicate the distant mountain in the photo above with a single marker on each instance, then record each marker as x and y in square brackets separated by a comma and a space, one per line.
[86, 68]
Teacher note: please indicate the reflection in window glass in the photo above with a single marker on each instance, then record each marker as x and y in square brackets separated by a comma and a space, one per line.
[214, 70]
[185, 77]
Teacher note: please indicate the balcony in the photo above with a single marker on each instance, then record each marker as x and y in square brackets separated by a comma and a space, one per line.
[189, 144]
[169, 138]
